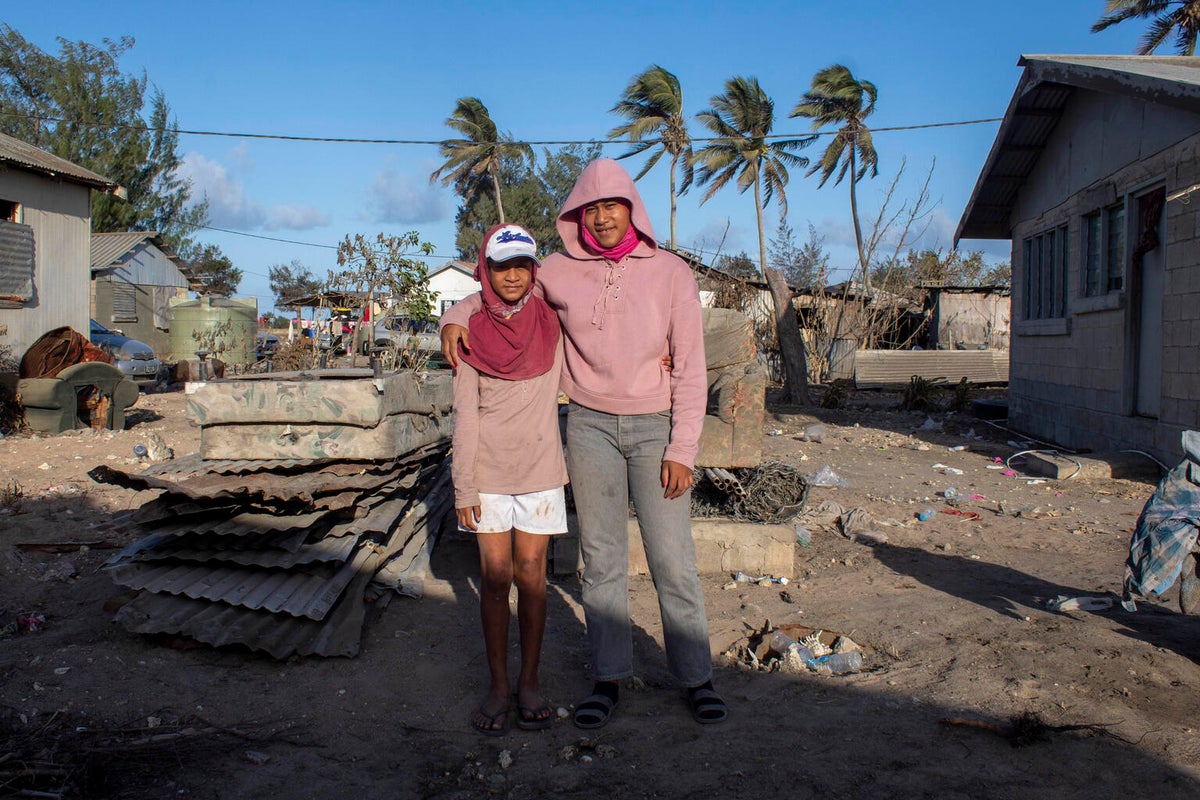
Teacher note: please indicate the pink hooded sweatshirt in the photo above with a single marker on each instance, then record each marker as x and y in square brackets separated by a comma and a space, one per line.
[620, 319]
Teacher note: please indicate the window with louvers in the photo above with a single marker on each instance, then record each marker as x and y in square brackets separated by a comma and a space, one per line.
[124, 301]
[16, 263]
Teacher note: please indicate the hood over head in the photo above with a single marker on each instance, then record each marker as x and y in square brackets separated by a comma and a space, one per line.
[513, 341]
[601, 179]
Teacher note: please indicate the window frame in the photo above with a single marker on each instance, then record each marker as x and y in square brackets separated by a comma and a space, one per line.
[1045, 283]
[1104, 246]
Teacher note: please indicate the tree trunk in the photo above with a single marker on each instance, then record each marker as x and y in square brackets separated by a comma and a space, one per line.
[674, 161]
[787, 329]
[496, 189]
[862, 257]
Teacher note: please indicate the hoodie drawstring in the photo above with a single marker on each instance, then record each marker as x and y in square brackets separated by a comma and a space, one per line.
[611, 288]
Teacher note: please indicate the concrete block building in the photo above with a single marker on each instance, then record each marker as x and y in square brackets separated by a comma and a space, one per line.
[1095, 179]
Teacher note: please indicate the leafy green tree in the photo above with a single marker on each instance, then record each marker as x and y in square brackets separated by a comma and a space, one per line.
[1178, 17]
[804, 264]
[837, 98]
[214, 271]
[475, 160]
[653, 104]
[79, 106]
[388, 266]
[741, 119]
[535, 196]
[289, 281]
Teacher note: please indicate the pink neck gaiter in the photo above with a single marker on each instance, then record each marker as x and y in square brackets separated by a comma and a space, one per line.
[623, 248]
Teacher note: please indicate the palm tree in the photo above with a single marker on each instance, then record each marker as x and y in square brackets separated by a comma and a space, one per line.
[837, 98]
[653, 104]
[741, 119]
[479, 156]
[1183, 20]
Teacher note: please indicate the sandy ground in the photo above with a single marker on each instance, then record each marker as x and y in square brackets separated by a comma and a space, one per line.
[951, 613]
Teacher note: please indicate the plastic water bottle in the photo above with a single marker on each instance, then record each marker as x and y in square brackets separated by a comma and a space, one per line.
[838, 663]
[949, 493]
[781, 643]
[140, 450]
[926, 514]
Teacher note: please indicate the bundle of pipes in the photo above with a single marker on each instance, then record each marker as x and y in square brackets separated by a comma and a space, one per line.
[726, 481]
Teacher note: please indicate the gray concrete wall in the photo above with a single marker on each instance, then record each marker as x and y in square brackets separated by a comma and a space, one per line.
[1071, 379]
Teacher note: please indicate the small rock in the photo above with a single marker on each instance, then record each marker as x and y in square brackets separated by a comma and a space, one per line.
[505, 760]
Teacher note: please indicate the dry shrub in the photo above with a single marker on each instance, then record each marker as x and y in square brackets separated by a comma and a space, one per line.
[295, 355]
[837, 394]
[921, 394]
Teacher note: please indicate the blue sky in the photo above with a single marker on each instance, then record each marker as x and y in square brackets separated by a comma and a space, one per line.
[551, 71]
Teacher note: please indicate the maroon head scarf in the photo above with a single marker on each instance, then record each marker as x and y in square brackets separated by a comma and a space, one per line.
[514, 341]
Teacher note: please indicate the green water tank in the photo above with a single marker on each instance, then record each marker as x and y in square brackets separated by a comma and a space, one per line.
[224, 326]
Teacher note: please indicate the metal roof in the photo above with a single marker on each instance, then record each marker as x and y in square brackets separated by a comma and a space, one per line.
[1042, 94]
[25, 156]
[462, 266]
[109, 248]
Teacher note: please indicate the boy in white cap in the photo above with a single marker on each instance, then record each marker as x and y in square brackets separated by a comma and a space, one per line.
[508, 467]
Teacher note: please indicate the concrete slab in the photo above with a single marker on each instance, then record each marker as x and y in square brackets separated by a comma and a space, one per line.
[1093, 466]
[722, 546]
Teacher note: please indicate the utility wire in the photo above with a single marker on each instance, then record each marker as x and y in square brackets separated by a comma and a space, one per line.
[440, 142]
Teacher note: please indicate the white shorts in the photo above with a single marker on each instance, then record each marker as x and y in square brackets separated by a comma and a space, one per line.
[534, 512]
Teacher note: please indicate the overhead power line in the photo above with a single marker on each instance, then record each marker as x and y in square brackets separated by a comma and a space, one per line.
[438, 142]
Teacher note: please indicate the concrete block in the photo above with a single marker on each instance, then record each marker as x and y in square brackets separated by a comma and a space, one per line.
[722, 547]
[1128, 466]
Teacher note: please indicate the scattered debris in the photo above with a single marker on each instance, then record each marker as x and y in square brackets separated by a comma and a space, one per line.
[1064, 603]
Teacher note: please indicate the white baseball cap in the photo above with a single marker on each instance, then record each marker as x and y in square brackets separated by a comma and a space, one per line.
[511, 241]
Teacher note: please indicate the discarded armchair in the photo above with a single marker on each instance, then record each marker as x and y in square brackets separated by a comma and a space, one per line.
[92, 394]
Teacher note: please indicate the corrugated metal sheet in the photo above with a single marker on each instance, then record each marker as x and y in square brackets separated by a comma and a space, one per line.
[21, 154]
[58, 213]
[324, 549]
[338, 630]
[880, 369]
[281, 636]
[137, 257]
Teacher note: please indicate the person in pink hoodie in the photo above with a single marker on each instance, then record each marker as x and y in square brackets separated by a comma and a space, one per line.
[508, 467]
[633, 426]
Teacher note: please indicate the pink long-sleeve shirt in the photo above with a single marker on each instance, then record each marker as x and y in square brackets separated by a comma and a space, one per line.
[620, 319]
[506, 435]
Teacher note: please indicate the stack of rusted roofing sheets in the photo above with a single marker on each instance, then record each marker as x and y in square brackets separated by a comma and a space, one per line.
[281, 553]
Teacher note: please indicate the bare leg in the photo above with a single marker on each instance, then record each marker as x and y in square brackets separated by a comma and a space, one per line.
[529, 570]
[496, 567]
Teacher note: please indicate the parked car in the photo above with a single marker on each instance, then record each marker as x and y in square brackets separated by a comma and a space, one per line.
[135, 359]
[403, 334]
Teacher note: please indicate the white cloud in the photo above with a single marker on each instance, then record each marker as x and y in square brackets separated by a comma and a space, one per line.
[228, 205]
[296, 218]
[398, 198]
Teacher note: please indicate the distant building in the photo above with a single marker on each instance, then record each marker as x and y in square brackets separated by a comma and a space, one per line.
[1095, 178]
[450, 283]
[45, 241]
[134, 277]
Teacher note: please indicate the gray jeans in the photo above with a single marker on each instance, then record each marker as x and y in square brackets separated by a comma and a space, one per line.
[610, 459]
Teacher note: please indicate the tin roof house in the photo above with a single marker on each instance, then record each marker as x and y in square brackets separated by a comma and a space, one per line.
[45, 241]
